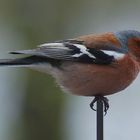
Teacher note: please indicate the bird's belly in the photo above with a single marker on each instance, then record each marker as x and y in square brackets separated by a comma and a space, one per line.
[92, 79]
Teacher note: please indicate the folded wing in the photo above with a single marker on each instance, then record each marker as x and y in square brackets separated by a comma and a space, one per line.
[75, 50]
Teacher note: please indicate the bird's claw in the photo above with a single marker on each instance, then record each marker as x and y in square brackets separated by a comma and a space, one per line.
[105, 103]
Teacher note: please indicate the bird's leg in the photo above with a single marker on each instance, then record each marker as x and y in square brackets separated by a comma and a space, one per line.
[103, 99]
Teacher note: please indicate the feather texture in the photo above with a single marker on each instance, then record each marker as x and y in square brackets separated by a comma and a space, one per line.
[74, 50]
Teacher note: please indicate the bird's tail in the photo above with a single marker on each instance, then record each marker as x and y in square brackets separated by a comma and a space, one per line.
[21, 61]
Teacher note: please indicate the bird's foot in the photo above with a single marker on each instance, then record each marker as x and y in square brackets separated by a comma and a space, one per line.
[104, 100]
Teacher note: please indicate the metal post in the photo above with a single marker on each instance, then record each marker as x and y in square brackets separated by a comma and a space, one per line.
[100, 116]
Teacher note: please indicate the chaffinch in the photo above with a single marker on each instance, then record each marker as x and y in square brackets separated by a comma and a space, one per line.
[90, 65]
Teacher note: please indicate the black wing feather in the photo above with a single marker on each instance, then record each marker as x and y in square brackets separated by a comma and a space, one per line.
[66, 50]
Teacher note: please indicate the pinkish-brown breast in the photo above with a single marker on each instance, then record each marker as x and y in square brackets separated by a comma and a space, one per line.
[92, 79]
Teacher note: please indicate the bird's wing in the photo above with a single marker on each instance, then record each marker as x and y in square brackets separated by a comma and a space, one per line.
[76, 50]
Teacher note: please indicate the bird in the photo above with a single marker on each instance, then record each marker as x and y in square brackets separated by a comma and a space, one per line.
[95, 65]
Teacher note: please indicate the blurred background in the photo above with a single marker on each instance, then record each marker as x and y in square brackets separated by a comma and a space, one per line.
[32, 106]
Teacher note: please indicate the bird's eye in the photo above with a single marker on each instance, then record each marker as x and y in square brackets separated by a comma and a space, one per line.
[135, 42]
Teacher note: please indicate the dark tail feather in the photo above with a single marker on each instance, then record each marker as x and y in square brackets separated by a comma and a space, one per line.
[30, 60]
[22, 61]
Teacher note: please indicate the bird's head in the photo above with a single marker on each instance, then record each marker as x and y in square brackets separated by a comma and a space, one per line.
[130, 41]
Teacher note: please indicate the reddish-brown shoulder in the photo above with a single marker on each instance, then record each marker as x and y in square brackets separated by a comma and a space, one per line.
[94, 40]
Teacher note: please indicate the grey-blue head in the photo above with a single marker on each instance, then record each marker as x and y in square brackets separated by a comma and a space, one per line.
[124, 36]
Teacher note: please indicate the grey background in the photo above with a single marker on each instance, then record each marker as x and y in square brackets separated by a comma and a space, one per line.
[25, 94]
